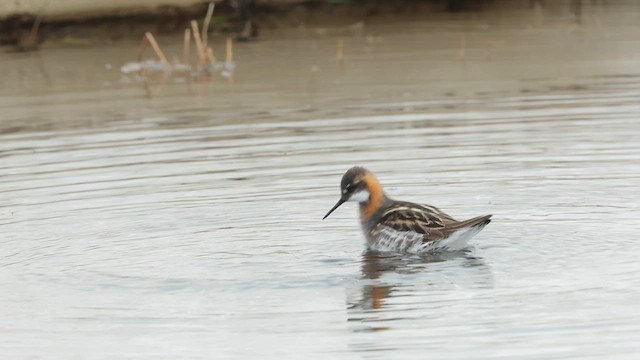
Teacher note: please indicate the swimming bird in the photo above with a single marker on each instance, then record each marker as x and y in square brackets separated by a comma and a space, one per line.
[400, 226]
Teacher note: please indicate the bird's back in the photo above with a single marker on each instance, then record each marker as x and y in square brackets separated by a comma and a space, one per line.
[410, 227]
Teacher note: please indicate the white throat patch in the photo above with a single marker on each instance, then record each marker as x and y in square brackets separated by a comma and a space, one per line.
[360, 196]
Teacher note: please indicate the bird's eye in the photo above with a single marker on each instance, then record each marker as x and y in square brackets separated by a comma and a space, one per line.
[347, 187]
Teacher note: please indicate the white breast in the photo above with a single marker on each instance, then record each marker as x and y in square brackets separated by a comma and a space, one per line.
[390, 240]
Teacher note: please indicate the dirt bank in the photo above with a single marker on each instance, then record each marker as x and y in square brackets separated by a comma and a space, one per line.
[27, 31]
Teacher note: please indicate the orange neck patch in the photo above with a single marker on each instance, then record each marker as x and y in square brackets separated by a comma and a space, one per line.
[376, 197]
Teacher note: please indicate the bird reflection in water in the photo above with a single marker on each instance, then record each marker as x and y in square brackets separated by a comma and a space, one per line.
[417, 274]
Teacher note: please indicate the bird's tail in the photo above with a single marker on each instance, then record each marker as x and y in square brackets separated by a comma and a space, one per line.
[474, 222]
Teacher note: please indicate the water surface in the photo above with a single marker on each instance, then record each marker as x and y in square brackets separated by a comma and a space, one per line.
[182, 220]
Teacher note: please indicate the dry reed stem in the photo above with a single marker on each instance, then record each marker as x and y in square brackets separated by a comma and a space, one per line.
[205, 25]
[32, 40]
[186, 47]
[198, 40]
[143, 47]
[229, 50]
[157, 49]
[340, 54]
[210, 54]
[340, 49]
[462, 53]
[212, 58]
[229, 59]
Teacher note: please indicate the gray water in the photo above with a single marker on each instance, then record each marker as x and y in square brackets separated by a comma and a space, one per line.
[182, 220]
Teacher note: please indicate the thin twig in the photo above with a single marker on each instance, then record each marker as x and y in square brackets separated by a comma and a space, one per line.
[143, 47]
[340, 54]
[212, 58]
[205, 25]
[210, 55]
[462, 52]
[157, 49]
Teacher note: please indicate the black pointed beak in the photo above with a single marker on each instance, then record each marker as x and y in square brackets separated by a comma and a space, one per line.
[340, 202]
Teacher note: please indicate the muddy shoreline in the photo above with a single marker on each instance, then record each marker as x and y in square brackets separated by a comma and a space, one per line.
[18, 32]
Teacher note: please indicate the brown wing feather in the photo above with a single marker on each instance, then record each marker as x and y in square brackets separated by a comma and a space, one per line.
[427, 220]
[422, 219]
